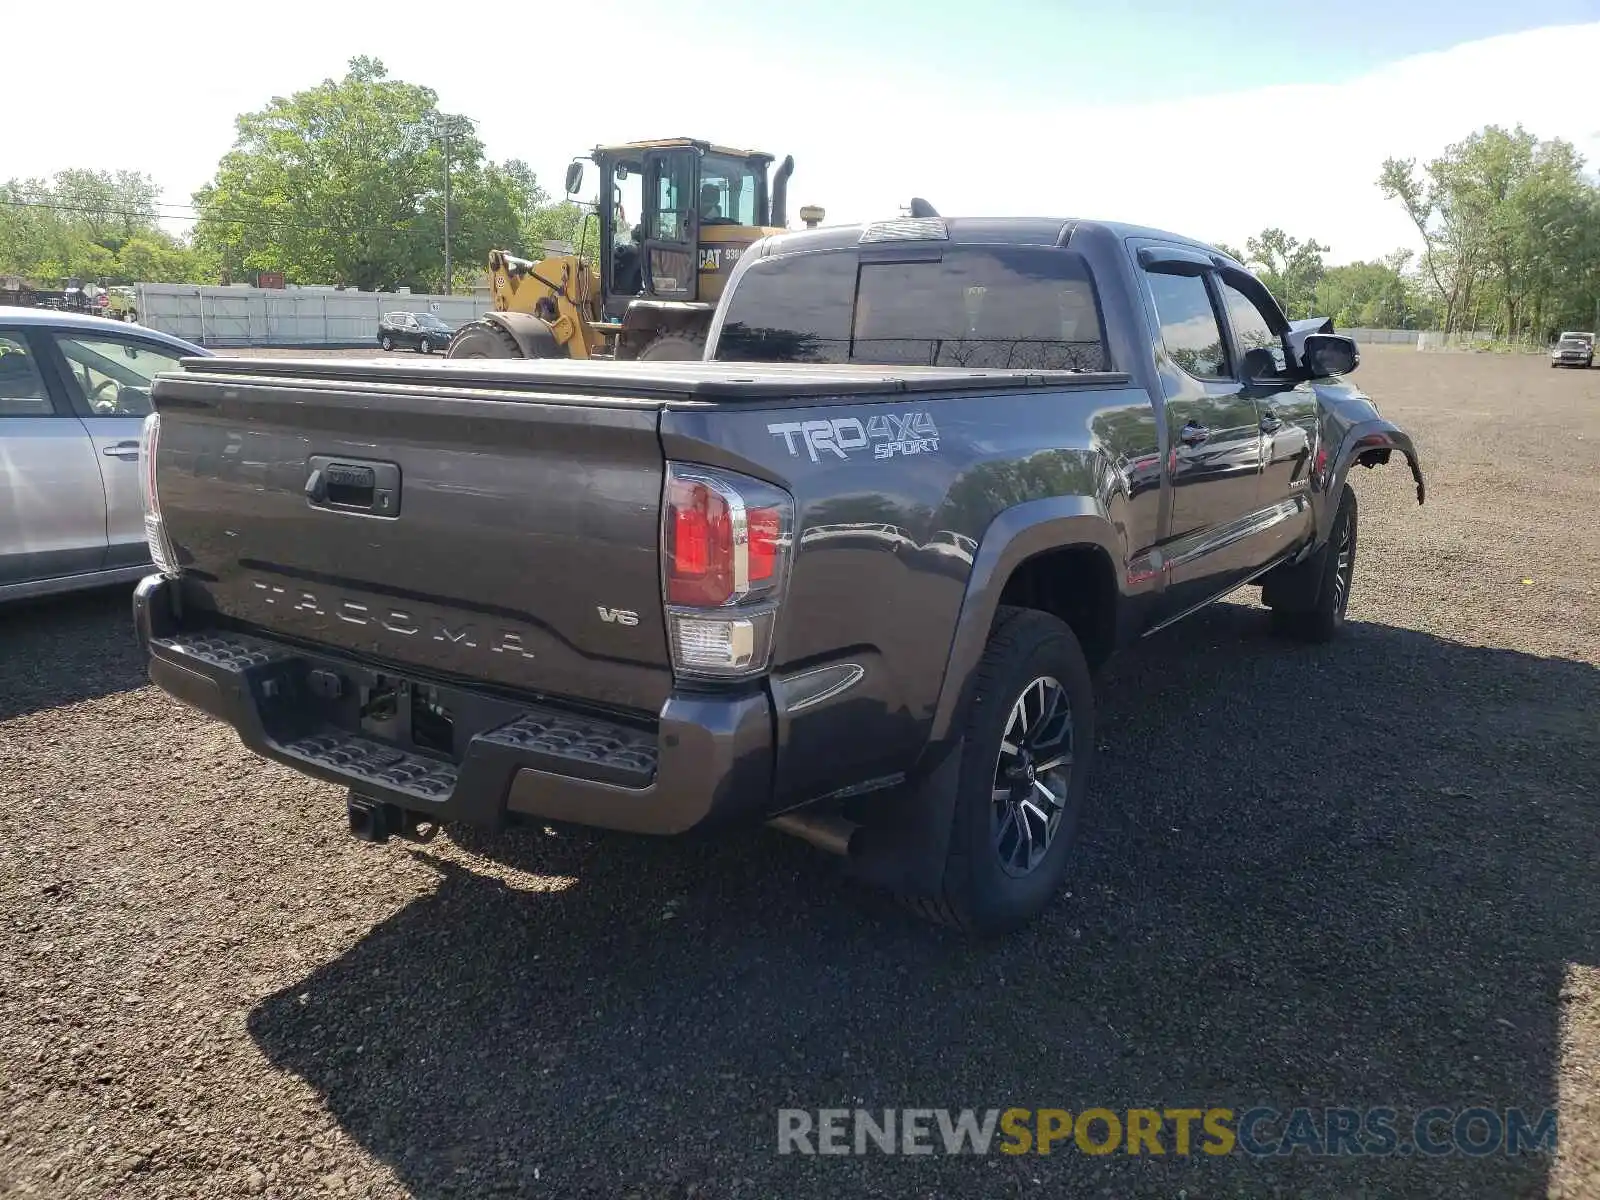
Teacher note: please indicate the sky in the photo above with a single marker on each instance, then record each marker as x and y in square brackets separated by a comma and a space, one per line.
[1213, 120]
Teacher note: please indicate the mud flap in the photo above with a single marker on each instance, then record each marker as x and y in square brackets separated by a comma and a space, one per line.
[905, 847]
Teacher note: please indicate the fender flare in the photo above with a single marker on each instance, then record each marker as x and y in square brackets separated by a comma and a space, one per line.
[1014, 536]
[908, 851]
[1376, 434]
[533, 336]
[645, 318]
[671, 315]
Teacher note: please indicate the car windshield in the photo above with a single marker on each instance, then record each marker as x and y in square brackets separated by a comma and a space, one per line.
[429, 321]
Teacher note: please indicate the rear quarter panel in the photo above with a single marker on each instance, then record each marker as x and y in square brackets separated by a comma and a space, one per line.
[893, 503]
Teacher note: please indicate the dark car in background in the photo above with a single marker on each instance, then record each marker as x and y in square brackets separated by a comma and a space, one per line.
[423, 332]
[1573, 349]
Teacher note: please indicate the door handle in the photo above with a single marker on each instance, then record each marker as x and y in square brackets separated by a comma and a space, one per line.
[1270, 424]
[1193, 434]
[122, 450]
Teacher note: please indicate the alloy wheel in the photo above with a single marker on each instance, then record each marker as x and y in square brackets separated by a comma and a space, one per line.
[1343, 566]
[1032, 776]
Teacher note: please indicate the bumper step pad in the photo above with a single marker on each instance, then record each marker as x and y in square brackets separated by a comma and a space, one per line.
[372, 762]
[224, 653]
[623, 753]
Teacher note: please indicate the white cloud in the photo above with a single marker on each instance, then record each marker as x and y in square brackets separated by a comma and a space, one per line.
[1301, 157]
[1219, 167]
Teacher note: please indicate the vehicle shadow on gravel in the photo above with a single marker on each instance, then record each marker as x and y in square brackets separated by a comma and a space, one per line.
[1350, 875]
[60, 650]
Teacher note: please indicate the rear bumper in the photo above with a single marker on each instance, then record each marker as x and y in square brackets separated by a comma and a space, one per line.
[706, 760]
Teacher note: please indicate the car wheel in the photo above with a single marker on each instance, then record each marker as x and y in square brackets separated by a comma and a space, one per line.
[1329, 574]
[386, 342]
[425, 346]
[1027, 751]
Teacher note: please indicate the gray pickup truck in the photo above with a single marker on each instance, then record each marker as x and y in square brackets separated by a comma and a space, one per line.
[852, 576]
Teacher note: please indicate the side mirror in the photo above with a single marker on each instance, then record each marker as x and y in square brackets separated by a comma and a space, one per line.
[1330, 354]
[574, 177]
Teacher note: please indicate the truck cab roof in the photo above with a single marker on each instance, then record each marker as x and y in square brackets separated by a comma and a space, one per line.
[1001, 231]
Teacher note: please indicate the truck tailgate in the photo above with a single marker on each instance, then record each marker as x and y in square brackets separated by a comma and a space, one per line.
[506, 537]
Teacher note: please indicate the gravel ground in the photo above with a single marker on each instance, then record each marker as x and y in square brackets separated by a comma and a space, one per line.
[1362, 874]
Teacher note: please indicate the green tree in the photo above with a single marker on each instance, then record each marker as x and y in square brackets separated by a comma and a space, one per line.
[1368, 295]
[1510, 229]
[1288, 267]
[344, 183]
[99, 225]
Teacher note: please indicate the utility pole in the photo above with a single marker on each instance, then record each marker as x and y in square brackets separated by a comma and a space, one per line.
[447, 278]
[445, 126]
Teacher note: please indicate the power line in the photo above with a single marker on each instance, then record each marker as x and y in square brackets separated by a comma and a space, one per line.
[207, 215]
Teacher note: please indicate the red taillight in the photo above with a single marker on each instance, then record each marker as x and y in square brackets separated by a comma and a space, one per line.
[766, 532]
[724, 565]
[718, 549]
[155, 532]
[699, 544]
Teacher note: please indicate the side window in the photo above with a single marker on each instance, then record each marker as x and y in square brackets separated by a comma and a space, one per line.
[1252, 332]
[1189, 328]
[113, 375]
[791, 309]
[22, 391]
[669, 180]
[1002, 307]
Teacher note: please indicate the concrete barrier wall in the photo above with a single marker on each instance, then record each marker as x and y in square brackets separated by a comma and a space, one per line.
[245, 316]
[1381, 337]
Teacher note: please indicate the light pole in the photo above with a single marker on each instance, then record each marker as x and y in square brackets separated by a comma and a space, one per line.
[446, 127]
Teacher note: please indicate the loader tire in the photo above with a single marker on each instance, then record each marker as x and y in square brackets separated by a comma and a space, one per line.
[479, 339]
[674, 347]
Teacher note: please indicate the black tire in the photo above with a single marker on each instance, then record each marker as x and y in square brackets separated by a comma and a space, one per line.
[987, 889]
[386, 342]
[1318, 614]
[425, 346]
[674, 347]
[479, 339]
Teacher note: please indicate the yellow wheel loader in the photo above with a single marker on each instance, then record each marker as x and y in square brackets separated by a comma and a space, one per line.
[700, 206]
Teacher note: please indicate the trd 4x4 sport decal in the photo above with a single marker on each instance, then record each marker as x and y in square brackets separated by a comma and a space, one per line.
[887, 434]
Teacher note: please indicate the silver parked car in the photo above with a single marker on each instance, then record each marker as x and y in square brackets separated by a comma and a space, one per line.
[74, 392]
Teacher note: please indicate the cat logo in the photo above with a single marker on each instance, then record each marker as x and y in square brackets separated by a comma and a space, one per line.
[715, 258]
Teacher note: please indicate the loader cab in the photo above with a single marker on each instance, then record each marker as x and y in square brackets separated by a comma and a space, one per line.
[674, 217]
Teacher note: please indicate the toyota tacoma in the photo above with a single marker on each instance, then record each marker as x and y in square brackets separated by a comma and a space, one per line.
[851, 575]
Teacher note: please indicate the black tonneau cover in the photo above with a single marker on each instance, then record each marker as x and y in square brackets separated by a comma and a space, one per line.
[662, 381]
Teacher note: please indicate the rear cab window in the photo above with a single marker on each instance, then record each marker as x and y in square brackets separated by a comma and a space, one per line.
[1028, 307]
